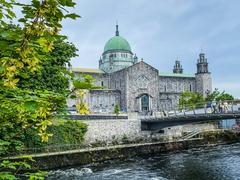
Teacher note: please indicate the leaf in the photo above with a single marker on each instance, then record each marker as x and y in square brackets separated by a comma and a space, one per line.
[68, 3]
[7, 175]
[72, 16]
[8, 164]
[31, 105]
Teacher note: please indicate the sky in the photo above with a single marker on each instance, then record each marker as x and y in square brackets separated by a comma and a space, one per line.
[161, 31]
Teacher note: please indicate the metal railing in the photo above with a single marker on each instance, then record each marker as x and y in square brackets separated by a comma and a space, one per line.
[224, 107]
[47, 149]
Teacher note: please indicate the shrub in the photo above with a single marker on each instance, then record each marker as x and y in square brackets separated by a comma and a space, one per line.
[117, 110]
[64, 133]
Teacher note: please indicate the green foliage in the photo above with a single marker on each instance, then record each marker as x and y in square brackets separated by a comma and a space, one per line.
[21, 110]
[191, 100]
[116, 109]
[81, 105]
[6, 11]
[84, 81]
[9, 169]
[81, 84]
[217, 96]
[23, 52]
[53, 75]
[64, 132]
[41, 24]
[125, 139]
[70, 132]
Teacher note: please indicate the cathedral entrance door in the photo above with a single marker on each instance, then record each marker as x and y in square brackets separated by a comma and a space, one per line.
[145, 103]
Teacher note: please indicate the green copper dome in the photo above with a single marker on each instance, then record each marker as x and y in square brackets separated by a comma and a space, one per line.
[117, 43]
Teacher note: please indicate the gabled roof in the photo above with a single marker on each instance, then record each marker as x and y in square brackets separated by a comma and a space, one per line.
[143, 62]
[136, 64]
[88, 70]
[163, 74]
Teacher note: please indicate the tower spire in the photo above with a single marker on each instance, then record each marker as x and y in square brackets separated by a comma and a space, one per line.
[177, 67]
[117, 32]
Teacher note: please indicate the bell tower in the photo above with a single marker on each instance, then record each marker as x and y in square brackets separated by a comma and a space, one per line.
[177, 67]
[203, 76]
[202, 64]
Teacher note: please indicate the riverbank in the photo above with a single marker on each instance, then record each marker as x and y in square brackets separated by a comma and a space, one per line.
[98, 154]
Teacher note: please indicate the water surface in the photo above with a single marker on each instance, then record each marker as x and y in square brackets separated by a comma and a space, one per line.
[218, 162]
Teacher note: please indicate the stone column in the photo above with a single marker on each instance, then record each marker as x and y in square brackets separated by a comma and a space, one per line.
[150, 103]
[140, 105]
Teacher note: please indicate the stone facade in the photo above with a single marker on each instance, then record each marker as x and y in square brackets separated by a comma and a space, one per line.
[103, 101]
[137, 86]
[108, 131]
[112, 131]
[170, 89]
[128, 86]
[203, 83]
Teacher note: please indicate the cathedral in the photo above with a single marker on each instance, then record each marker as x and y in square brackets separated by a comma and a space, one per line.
[135, 85]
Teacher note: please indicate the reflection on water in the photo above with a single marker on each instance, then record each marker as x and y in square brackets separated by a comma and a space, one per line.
[219, 162]
[227, 124]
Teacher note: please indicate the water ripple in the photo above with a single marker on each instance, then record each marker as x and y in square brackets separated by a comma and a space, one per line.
[216, 162]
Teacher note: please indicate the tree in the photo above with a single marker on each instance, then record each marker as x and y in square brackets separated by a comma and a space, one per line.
[191, 100]
[80, 85]
[217, 96]
[53, 75]
[23, 51]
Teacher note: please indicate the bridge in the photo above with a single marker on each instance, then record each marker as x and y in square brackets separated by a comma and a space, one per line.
[200, 113]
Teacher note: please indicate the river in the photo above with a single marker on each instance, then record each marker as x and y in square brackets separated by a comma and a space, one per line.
[206, 163]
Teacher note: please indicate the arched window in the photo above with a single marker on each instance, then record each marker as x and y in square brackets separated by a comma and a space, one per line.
[190, 87]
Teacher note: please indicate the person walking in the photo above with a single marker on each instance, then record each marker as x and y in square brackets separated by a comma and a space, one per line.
[225, 106]
[220, 107]
[214, 106]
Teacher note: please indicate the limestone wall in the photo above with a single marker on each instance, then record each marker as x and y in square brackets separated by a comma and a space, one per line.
[100, 79]
[108, 131]
[176, 84]
[102, 101]
[203, 83]
[118, 131]
[170, 89]
[177, 131]
[142, 79]
[118, 81]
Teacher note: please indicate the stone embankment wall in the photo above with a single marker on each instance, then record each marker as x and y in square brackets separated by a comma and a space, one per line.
[98, 154]
[115, 130]
[119, 131]
[177, 131]
[92, 155]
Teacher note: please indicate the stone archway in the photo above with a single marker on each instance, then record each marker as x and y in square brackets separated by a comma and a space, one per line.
[144, 102]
